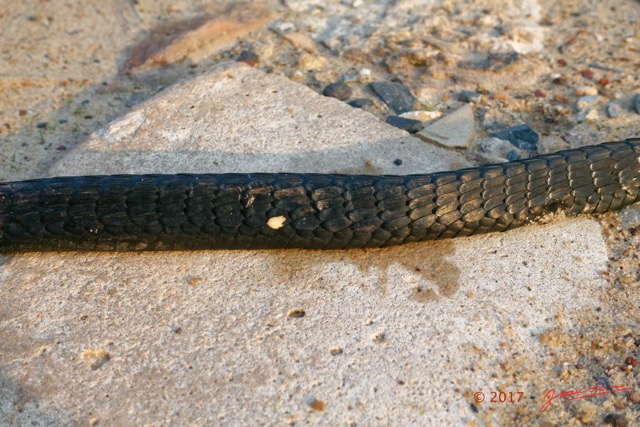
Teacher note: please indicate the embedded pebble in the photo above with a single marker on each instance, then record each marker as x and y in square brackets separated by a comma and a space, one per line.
[338, 90]
[469, 96]
[614, 109]
[636, 103]
[616, 420]
[296, 313]
[95, 358]
[422, 115]
[282, 27]
[630, 216]
[455, 130]
[248, 57]
[584, 107]
[310, 62]
[334, 351]
[500, 148]
[395, 95]
[301, 41]
[361, 103]
[522, 136]
[410, 125]
[586, 91]
[587, 101]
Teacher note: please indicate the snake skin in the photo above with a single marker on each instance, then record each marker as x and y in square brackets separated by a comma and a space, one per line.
[282, 210]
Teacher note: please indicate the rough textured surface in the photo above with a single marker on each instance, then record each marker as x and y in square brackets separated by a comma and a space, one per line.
[60, 82]
[197, 38]
[207, 337]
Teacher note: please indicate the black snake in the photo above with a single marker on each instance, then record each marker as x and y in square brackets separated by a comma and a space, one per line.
[318, 211]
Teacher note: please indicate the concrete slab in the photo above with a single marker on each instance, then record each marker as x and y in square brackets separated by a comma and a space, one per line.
[404, 335]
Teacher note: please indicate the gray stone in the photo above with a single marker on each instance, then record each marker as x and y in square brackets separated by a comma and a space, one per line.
[455, 130]
[635, 103]
[630, 216]
[585, 107]
[395, 95]
[522, 136]
[410, 125]
[500, 148]
[614, 109]
[361, 103]
[469, 96]
[339, 91]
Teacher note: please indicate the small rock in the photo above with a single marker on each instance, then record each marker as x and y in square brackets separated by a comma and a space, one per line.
[522, 136]
[95, 358]
[282, 27]
[588, 74]
[591, 116]
[422, 115]
[630, 218]
[395, 95]
[379, 336]
[365, 73]
[296, 313]
[350, 78]
[301, 41]
[584, 106]
[469, 96]
[361, 103]
[310, 62]
[614, 109]
[410, 125]
[635, 104]
[42, 125]
[455, 130]
[586, 91]
[539, 94]
[248, 57]
[500, 96]
[616, 420]
[334, 351]
[338, 90]
[397, 162]
[587, 101]
[493, 62]
[500, 148]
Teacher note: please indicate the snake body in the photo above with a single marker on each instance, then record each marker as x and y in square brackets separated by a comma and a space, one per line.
[318, 211]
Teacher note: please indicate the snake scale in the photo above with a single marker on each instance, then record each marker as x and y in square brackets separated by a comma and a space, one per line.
[316, 211]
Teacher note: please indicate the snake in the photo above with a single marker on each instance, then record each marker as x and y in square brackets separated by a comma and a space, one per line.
[156, 212]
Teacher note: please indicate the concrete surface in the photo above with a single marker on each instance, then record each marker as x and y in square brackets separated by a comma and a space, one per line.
[400, 336]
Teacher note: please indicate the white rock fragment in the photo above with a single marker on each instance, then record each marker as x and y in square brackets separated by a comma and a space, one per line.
[456, 130]
[422, 115]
